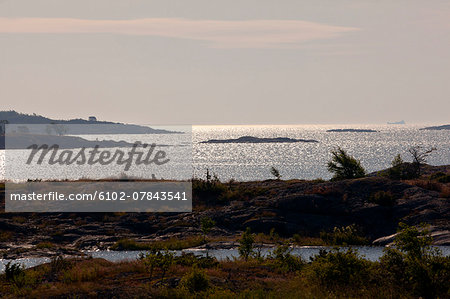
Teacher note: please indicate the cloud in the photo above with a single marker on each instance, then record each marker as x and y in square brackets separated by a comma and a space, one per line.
[219, 34]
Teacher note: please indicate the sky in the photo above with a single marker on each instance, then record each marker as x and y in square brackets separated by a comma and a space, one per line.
[227, 62]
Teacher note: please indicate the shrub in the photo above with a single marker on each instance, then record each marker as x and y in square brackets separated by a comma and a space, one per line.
[208, 190]
[58, 264]
[393, 264]
[165, 261]
[344, 166]
[213, 192]
[415, 265]
[383, 198]
[419, 156]
[19, 278]
[206, 224]
[246, 244]
[304, 240]
[14, 273]
[427, 184]
[346, 235]
[82, 273]
[273, 235]
[158, 259]
[339, 268]
[171, 244]
[190, 259]
[275, 173]
[396, 171]
[440, 177]
[416, 243]
[150, 261]
[195, 281]
[284, 260]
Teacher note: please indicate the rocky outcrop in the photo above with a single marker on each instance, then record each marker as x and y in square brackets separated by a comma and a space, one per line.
[443, 127]
[353, 130]
[289, 207]
[251, 139]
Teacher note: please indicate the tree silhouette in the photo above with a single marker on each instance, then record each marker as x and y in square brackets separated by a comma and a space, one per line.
[344, 166]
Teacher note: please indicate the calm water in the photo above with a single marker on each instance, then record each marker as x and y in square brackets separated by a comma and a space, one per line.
[368, 252]
[308, 160]
[253, 161]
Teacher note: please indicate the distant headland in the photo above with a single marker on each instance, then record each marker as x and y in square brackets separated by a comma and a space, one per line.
[443, 127]
[79, 126]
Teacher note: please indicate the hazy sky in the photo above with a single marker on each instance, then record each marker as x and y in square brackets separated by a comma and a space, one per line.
[227, 62]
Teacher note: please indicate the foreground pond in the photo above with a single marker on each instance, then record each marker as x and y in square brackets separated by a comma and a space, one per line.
[371, 253]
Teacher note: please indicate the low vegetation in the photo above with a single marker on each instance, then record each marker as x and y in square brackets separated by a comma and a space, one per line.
[210, 191]
[383, 198]
[347, 235]
[246, 244]
[206, 224]
[170, 244]
[411, 269]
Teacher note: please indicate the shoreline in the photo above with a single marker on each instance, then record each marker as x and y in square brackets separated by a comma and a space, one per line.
[298, 211]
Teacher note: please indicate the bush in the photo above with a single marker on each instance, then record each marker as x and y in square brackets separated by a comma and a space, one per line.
[284, 260]
[344, 166]
[190, 259]
[346, 235]
[419, 156]
[394, 267]
[396, 171]
[414, 242]
[208, 190]
[383, 198]
[195, 281]
[440, 177]
[157, 259]
[170, 244]
[14, 273]
[211, 191]
[19, 278]
[339, 268]
[58, 264]
[82, 273]
[246, 244]
[275, 173]
[415, 265]
[206, 224]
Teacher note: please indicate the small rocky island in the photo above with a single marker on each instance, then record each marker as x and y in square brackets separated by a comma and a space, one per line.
[437, 128]
[353, 130]
[251, 139]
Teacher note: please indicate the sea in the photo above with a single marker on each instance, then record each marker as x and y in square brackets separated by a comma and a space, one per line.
[253, 161]
[247, 162]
